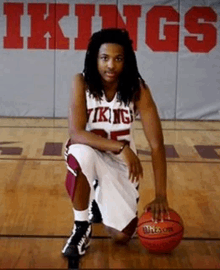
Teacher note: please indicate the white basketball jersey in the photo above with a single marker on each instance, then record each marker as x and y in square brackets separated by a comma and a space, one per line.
[112, 120]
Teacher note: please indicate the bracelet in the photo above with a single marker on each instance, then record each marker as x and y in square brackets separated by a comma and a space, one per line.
[122, 147]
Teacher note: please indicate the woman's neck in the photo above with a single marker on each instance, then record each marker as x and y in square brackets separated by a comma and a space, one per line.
[110, 87]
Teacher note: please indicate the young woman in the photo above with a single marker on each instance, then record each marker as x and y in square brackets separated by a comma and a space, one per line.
[103, 104]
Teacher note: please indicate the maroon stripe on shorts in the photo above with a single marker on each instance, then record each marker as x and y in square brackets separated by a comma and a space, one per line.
[71, 178]
[72, 162]
[70, 184]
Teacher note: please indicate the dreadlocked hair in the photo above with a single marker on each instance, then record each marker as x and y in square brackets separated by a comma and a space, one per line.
[129, 80]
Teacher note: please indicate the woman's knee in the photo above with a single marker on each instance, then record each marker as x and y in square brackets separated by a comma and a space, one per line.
[122, 237]
[131, 227]
[84, 154]
[117, 236]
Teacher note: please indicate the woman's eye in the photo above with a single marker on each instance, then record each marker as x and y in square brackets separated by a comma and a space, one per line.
[119, 59]
[104, 58]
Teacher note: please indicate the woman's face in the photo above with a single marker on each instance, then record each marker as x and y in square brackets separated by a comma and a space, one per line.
[110, 62]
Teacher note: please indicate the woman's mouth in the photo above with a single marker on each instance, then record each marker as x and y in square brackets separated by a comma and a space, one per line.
[110, 74]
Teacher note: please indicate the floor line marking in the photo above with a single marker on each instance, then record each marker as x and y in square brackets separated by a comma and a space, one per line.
[146, 161]
[98, 237]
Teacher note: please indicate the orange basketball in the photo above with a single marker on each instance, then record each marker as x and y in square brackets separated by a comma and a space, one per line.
[161, 237]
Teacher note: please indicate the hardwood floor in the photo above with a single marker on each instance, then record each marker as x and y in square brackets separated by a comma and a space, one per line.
[36, 214]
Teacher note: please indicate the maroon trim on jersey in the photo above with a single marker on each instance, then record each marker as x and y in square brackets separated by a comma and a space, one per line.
[70, 177]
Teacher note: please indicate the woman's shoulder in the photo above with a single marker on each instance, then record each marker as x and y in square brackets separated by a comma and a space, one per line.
[142, 84]
[145, 99]
[79, 79]
[79, 86]
[142, 87]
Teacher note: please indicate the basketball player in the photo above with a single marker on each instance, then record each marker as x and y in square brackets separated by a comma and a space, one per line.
[103, 104]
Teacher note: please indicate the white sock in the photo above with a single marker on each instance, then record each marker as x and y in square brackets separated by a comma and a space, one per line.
[81, 215]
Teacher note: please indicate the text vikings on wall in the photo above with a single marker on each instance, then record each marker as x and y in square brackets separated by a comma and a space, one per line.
[45, 18]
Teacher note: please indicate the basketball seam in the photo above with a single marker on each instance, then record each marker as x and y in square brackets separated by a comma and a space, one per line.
[162, 237]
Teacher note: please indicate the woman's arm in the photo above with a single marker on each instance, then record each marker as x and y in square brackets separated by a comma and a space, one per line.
[153, 132]
[77, 118]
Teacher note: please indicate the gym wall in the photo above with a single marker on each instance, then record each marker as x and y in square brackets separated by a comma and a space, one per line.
[43, 44]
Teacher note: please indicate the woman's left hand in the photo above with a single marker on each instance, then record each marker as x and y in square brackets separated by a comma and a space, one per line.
[158, 207]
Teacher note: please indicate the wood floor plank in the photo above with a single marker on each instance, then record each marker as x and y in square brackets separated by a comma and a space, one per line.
[30, 253]
[42, 122]
[34, 200]
[181, 125]
[32, 142]
[26, 253]
[30, 122]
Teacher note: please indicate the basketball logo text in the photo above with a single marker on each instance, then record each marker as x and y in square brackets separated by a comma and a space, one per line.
[156, 230]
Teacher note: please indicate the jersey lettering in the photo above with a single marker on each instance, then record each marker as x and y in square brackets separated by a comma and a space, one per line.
[116, 116]
[95, 115]
[110, 115]
[100, 132]
[114, 135]
[131, 114]
[88, 113]
[105, 114]
[102, 111]
[125, 120]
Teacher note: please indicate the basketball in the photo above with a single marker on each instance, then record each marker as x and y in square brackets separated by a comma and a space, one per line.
[161, 237]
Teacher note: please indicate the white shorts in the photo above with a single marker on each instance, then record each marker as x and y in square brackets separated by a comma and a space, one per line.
[115, 195]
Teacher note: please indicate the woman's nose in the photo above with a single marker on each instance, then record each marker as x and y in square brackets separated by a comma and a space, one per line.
[110, 63]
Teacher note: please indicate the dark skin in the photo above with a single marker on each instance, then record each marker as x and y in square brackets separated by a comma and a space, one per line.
[110, 64]
[153, 132]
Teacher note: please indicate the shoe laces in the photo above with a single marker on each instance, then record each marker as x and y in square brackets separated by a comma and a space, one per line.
[80, 228]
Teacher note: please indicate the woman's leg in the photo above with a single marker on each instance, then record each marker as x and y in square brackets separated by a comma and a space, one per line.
[82, 193]
[122, 237]
[80, 169]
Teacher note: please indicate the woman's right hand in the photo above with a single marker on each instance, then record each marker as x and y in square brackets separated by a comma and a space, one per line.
[133, 163]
